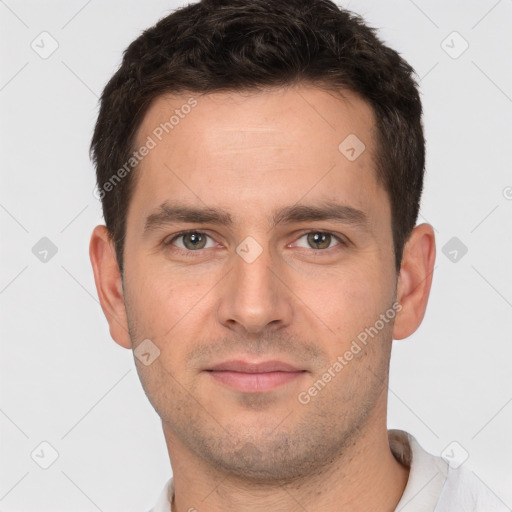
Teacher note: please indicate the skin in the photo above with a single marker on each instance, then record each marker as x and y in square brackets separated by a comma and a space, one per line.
[252, 155]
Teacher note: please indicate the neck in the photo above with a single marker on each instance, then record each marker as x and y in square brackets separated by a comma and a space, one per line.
[366, 476]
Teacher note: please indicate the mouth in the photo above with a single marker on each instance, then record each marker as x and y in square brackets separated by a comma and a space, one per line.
[255, 377]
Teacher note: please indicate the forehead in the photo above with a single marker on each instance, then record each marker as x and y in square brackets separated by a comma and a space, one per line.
[244, 119]
[252, 148]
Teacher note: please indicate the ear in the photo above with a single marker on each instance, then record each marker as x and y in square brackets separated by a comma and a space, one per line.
[415, 280]
[109, 285]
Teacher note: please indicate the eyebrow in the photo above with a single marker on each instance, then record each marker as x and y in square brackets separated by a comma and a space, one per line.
[327, 211]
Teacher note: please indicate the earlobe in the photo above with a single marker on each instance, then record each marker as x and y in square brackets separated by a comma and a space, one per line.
[109, 285]
[415, 280]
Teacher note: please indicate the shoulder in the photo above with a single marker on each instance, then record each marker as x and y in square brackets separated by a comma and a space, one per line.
[464, 489]
[435, 486]
[163, 503]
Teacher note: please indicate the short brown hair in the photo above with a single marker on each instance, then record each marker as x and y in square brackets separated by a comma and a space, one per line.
[234, 45]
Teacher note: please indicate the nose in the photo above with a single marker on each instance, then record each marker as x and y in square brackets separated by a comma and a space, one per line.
[253, 298]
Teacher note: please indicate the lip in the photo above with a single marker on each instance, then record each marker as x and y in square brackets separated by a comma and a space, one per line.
[250, 367]
[252, 377]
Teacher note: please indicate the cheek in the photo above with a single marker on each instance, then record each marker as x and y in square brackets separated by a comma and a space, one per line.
[351, 300]
[168, 307]
[155, 303]
[163, 292]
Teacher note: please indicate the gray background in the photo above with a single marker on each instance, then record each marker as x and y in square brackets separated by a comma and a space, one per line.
[66, 383]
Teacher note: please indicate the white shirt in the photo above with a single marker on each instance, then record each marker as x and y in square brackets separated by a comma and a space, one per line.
[433, 485]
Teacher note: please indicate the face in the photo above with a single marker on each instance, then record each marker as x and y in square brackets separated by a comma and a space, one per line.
[253, 238]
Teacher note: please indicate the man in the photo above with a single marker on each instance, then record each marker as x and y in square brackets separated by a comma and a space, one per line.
[260, 165]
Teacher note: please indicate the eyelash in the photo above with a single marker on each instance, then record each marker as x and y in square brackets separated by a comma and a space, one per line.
[189, 253]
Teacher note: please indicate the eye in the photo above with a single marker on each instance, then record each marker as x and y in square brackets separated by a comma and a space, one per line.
[191, 241]
[319, 240]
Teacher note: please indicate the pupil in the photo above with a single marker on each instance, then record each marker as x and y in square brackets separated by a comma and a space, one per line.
[321, 240]
[194, 240]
